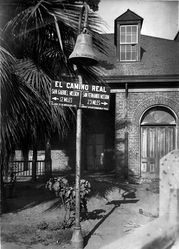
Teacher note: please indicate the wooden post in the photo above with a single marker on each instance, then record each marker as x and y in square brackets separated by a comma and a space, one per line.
[25, 152]
[48, 160]
[77, 238]
[34, 163]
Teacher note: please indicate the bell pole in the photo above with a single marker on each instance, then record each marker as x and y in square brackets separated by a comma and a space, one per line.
[78, 58]
[77, 238]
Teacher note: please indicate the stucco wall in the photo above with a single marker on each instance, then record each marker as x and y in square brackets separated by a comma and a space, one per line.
[129, 111]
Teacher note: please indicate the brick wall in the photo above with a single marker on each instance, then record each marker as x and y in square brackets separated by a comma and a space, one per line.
[129, 111]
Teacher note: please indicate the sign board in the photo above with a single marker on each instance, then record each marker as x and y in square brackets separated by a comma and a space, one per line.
[80, 95]
[97, 97]
[63, 93]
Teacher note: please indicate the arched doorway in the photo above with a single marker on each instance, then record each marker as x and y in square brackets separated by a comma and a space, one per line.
[158, 129]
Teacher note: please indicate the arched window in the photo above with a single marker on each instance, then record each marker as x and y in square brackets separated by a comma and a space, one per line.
[158, 116]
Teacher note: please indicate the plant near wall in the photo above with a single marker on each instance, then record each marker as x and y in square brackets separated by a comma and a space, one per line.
[66, 193]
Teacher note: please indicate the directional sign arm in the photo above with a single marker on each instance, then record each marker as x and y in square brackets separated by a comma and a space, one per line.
[104, 103]
[55, 98]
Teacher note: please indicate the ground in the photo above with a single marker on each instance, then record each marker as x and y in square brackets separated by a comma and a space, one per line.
[34, 218]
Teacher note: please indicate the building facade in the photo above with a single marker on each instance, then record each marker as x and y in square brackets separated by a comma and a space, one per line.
[143, 73]
[142, 124]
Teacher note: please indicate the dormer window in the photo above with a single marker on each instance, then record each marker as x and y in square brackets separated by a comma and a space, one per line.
[128, 42]
[127, 36]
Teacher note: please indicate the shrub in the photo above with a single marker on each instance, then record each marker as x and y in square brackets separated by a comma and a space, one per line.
[67, 194]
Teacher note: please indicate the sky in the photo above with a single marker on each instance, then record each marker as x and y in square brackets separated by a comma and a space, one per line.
[161, 17]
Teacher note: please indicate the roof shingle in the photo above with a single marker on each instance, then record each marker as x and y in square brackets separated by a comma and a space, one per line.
[158, 57]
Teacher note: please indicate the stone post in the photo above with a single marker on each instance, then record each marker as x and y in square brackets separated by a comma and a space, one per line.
[169, 190]
[169, 182]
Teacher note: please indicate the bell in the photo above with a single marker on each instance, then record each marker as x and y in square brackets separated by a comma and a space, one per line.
[83, 53]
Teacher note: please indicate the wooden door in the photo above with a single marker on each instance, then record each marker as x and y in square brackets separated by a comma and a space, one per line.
[156, 142]
[94, 151]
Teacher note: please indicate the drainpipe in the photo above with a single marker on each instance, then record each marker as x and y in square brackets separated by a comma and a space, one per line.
[126, 175]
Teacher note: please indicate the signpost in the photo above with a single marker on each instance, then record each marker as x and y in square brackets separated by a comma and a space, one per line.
[80, 95]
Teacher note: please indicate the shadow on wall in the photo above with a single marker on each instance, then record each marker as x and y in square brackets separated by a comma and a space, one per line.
[120, 161]
[122, 123]
[122, 167]
[109, 160]
[106, 65]
[142, 51]
[121, 155]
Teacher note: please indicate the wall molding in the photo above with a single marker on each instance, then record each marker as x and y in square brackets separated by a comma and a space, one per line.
[145, 90]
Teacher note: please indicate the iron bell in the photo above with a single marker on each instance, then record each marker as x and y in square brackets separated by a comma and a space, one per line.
[83, 52]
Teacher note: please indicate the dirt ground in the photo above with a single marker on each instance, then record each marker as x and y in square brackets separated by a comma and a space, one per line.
[34, 218]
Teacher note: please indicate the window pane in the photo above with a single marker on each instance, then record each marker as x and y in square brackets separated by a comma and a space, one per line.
[128, 38]
[134, 48]
[129, 29]
[134, 29]
[158, 116]
[122, 38]
[128, 48]
[122, 34]
[128, 34]
[128, 52]
[123, 29]
[122, 48]
[134, 34]
[134, 52]
[128, 56]
[134, 56]
[134, 38]
[122, 52]
[122, 56]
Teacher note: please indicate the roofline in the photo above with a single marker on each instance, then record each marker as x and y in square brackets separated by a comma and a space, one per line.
[143, 78]
[139, 17]
[176, 36]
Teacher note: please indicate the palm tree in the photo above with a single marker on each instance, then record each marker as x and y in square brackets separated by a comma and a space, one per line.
[18, 110]
[36, 44]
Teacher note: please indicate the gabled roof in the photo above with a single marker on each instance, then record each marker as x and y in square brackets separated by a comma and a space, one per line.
[159, 57]
[129, 16]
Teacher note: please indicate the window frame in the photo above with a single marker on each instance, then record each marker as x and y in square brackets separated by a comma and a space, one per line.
[128, 44]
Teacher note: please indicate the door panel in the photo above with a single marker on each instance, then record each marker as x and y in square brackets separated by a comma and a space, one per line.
[95, 148]
[156, 142]
[161, 143]
[151, 153]
[170, 139]
[144, 149]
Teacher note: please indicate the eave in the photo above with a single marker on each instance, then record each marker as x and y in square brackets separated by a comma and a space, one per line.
[141, 78]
